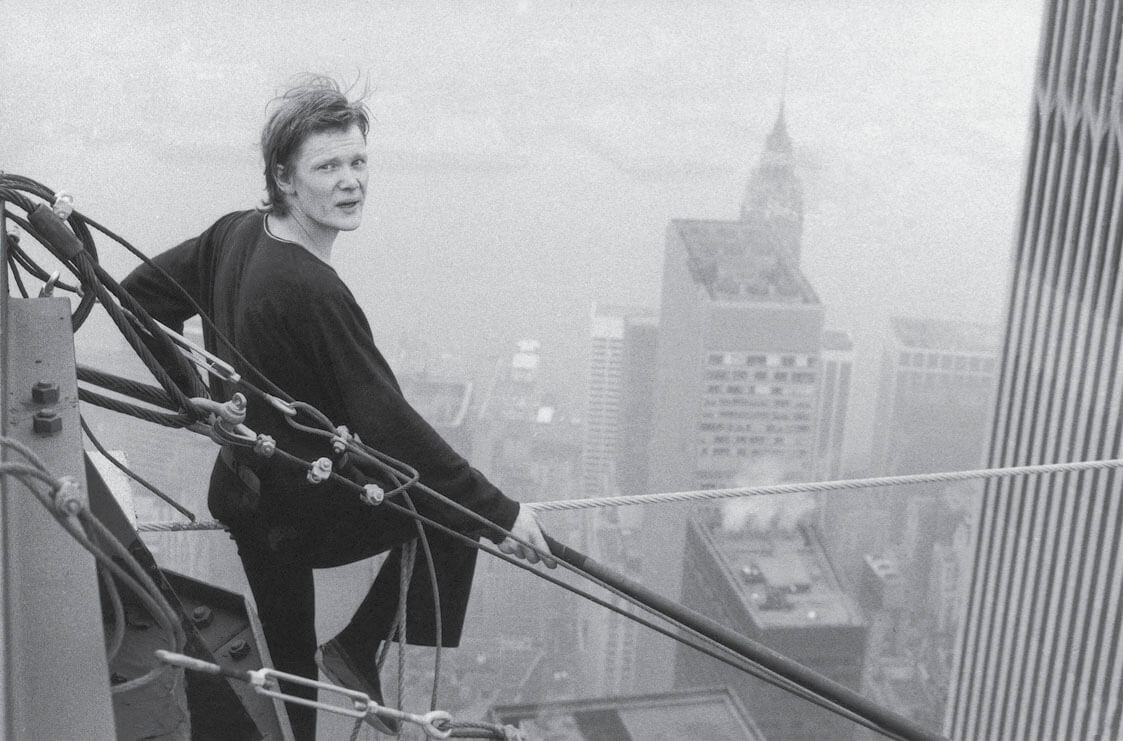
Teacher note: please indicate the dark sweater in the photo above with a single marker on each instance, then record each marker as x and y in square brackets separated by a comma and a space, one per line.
[294, 319]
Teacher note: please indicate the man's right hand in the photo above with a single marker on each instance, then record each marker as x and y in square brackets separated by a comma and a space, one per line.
[526, 528]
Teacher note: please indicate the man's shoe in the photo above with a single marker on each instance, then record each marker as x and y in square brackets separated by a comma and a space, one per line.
[341, 669]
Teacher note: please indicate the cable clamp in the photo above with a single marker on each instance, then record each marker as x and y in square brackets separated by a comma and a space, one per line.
[373, 494]
[510, 733]
[320, 470]
[341, 439]
[63, 205]
[67, 496]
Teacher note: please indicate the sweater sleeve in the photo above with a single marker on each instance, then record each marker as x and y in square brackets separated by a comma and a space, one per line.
[375, 408]
[167, 304]
[161, 299]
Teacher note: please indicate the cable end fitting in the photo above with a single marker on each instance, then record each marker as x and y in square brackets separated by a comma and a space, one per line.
[61, 241]
[68, 496]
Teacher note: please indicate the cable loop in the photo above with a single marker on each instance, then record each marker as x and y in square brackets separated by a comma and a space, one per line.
[326, 428]
[284, 407]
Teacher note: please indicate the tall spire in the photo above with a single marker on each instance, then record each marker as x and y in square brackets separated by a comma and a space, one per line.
[773, 201]
[779, 140]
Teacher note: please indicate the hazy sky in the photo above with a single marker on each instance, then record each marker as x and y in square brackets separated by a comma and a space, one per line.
[527, 156]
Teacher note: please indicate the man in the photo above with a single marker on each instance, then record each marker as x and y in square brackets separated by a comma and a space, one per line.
[265, 278]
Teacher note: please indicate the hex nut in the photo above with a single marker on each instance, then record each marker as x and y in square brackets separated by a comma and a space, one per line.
[44, 392]
[46, 422]
[202, 616]
[239, 649]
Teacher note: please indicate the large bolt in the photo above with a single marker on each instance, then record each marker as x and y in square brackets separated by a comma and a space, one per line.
[239, 649]
[202, 616]
[46, 422]
[134, 618]
[44, 392]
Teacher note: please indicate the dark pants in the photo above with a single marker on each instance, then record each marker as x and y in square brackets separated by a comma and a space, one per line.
[280, 551]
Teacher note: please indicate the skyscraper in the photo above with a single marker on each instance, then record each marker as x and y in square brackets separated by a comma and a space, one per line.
[834, 402]
[1041, 654]
[737, 365]
[641, 338]
[935, 396]
[613, 460]
[605, 396]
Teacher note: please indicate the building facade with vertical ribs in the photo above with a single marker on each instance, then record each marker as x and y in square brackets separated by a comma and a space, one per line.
[1041, 653]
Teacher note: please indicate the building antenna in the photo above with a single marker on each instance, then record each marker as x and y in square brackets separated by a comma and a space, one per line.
[784, 80]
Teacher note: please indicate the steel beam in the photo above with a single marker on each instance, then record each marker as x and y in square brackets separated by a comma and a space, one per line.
[54, 680]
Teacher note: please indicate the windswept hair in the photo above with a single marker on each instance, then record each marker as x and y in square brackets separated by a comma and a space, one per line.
[312, 104]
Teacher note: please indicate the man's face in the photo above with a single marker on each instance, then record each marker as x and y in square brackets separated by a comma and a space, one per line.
[329, 180]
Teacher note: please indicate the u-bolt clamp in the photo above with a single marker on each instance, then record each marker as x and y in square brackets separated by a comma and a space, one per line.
[373, 494]
[265, 446]
[342, 437]
[320, 470]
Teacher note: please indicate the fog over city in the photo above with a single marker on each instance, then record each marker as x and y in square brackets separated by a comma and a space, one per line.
[526, 160]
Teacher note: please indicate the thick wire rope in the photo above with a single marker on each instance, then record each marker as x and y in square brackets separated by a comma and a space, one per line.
[139, 390]
[16, 275]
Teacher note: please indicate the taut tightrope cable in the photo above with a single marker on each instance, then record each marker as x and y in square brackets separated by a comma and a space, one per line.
[747, 491]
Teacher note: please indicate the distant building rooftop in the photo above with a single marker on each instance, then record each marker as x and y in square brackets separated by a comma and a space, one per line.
[837, 341]
[734, 264]
[946, 335]
[783, 576]
[715, 714]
